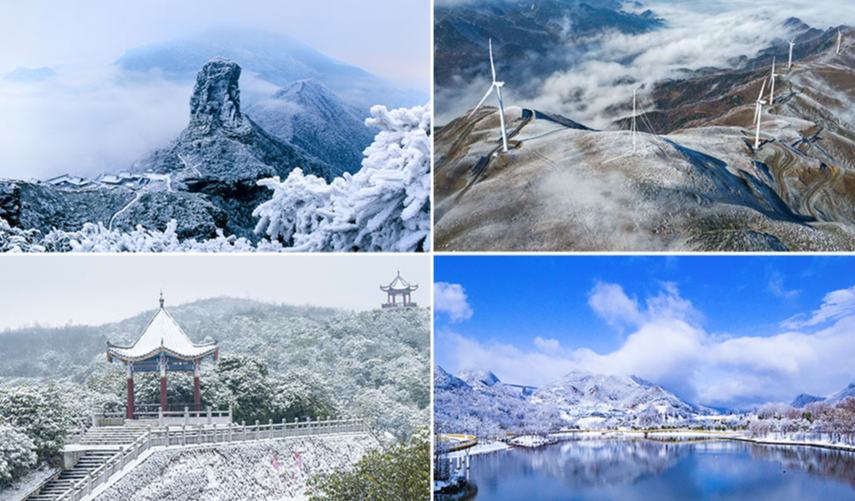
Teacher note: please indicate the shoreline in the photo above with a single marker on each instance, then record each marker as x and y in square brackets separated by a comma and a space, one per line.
[663, 436]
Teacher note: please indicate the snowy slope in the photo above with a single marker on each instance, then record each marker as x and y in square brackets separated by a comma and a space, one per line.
[848, 392]
[267, 470]
[804, 399]
[310, 116]
[579, 396]
[701, 187]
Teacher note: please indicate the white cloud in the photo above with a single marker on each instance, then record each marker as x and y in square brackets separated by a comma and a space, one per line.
[776, 287]
[86, 122]
[697, 35]
[610, 302]
[451, 300]
[835, 305]
[669, 347]
[547, 344]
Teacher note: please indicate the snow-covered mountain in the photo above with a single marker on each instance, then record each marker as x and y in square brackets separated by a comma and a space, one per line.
[309, 115]
[582, 398]
[221, 144]
[848, 392]
[278, 59]
[480, 403]
[804, 399]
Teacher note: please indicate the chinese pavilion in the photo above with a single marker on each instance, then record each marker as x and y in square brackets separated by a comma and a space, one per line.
[163, 347]
[398, 288]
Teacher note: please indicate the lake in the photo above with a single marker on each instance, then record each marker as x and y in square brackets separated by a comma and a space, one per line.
[653, 471]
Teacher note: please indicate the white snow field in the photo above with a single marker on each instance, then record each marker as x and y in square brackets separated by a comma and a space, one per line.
[264, 470]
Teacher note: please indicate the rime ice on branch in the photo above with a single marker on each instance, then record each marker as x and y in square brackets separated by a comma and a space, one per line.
[383, 207]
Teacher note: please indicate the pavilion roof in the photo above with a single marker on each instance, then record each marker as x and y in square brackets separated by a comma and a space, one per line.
[399, 284]
[162, 335]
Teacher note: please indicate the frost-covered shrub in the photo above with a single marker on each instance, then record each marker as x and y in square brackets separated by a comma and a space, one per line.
[98, 238]
[39, 412]
[18, 240]
[17, 454]
[385, 206]
[400, 472]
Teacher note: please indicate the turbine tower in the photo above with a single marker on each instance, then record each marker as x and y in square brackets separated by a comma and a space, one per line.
[773, 76]
[497, 86]
[758, 116]
[790, 62]
[839, 41]
[634, 121]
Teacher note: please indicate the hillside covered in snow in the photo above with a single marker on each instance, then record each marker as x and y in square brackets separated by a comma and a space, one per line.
[372, 364]
[479, 403]
[265, 470]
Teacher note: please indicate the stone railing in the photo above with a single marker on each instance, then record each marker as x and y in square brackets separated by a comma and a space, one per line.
[190, 436]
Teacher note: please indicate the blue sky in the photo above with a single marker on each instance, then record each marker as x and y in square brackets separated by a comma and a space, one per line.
[687, 321]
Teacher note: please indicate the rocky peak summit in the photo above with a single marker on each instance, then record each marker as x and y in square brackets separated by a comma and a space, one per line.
[216, 98]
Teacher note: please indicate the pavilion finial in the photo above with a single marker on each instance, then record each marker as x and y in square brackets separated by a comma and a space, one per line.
[161, 299]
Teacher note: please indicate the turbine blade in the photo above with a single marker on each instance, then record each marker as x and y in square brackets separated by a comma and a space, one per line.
[489, 91]
[762, 90]
[492, 65]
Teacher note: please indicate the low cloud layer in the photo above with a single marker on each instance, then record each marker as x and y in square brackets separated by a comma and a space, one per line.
[698, 35]
[668, 344]
[86, 122]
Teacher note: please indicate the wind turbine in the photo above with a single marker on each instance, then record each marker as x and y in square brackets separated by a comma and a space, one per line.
[497, 86]
[790, 62]
[759, 103]
[758, 115]
[774, 75]
[839, 41]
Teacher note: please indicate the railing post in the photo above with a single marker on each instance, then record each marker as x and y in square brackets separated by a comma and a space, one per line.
[209, 414]
[243, 430]
[230, 431]
[184, 434]
[159, 417]
[270, 424]
[94, 419]
[186, 416]
[257, 429]
[230, 413]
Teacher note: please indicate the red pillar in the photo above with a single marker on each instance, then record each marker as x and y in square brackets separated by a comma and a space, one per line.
[197, 392]
[130, 393]
[163, 384]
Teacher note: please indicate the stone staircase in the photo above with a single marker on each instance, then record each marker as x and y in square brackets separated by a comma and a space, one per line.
[88, 463]
[115, 435]
[100, 444]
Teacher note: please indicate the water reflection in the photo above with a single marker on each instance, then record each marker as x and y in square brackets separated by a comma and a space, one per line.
[641, 469]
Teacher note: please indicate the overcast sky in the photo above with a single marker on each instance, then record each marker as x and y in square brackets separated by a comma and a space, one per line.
[390, 38]
[55, 290]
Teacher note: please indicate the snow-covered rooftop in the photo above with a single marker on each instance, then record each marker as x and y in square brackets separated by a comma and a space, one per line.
[399, 284]
[162, 335]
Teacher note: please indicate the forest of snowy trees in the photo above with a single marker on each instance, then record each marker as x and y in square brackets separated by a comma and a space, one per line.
[819, 421]
[277, 362]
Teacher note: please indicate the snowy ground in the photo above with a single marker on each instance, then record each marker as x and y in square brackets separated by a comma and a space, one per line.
[266, 470]
[482, 448]
[27, 484]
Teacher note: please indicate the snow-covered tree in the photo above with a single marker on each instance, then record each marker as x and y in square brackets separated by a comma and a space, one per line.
[385, 206]
[17, 454]
[40, 413]
[402, 472]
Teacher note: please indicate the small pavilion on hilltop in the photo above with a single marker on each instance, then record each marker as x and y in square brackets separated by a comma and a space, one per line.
[399, 288]
[163, 347]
